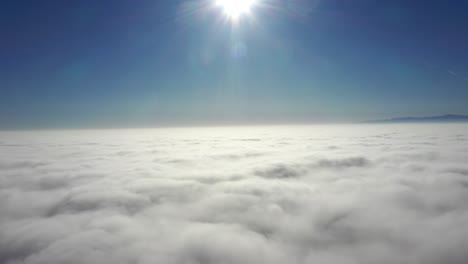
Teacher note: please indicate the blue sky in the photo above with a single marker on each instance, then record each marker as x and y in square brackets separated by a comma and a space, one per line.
[86, 63]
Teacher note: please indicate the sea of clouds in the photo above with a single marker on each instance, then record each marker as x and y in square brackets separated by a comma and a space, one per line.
[335, 194]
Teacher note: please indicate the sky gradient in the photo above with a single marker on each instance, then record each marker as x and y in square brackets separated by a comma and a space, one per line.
[122, 63]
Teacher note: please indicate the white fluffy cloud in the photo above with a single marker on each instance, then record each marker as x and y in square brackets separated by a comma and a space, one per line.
[314, 194]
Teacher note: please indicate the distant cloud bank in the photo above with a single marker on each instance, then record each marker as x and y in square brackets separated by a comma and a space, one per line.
[313, 194]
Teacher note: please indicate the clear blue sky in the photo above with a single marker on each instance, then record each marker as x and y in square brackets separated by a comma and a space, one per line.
[86, 63]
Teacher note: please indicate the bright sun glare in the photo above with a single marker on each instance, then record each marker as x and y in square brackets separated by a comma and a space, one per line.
[235, 8]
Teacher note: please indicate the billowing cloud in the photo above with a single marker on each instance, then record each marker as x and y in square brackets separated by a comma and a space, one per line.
[319, 194]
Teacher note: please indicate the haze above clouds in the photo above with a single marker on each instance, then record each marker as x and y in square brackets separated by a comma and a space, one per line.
[307, 194]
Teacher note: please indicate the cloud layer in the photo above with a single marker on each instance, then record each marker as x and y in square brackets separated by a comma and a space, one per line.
[313, 194]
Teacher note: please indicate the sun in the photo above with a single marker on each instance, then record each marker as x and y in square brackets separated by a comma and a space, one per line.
[235, 8]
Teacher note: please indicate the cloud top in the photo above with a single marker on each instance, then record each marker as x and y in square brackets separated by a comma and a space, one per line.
[319, 194]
